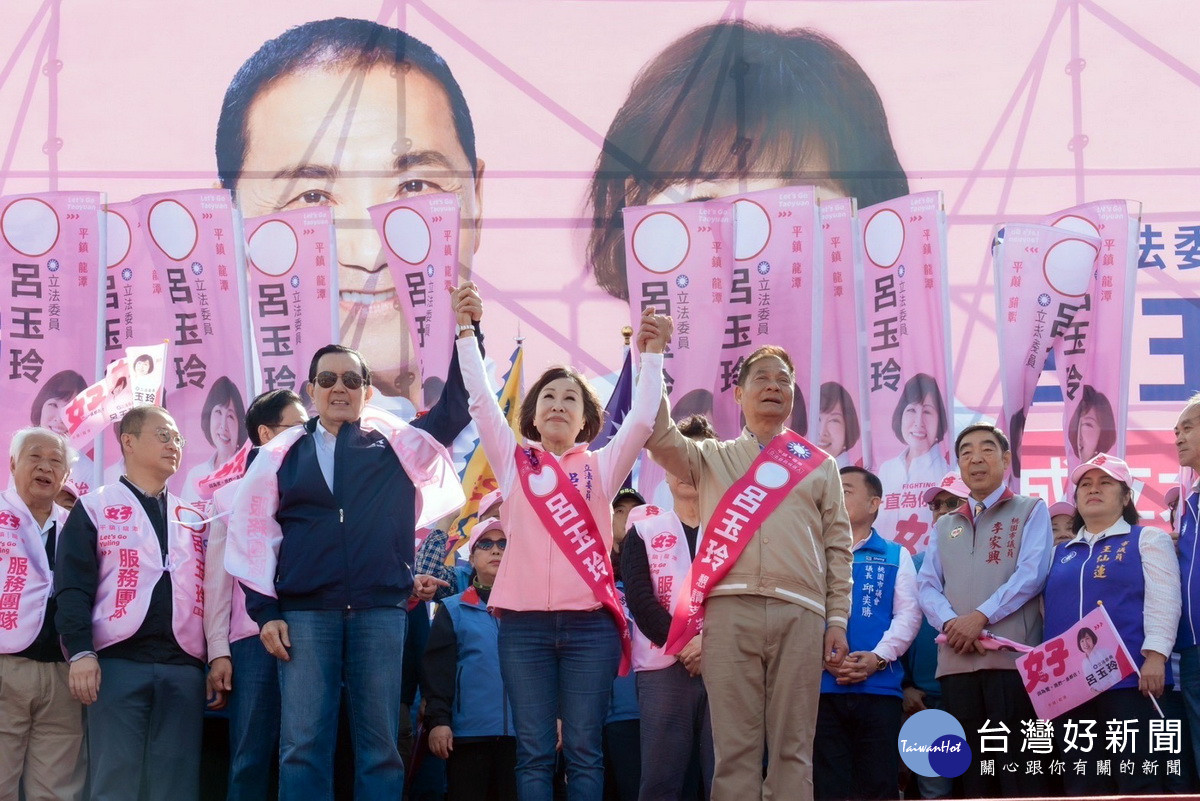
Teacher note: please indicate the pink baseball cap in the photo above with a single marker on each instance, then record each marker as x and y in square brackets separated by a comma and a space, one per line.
[491, 524]
[1172, 496]
[951, 483]
[1109, 464]
[1061, 508]
[488, 501]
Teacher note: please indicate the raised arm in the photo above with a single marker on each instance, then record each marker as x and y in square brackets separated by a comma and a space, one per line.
[495, 436]
[617, 457]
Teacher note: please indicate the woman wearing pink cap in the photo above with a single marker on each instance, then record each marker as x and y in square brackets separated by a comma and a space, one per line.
[1132, 571]
[1062, 521]
[466, 705]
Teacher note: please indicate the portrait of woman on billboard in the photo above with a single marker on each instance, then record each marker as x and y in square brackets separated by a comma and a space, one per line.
[735, 107]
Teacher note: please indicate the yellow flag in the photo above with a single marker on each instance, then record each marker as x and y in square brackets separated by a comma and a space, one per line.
[478, 479]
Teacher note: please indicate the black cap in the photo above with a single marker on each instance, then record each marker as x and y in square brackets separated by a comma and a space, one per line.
[627, 493]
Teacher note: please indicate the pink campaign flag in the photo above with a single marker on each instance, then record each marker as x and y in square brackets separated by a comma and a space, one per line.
[182, 278]
[910, 399]
[679, 259]
[136, 378]
[771, 296]
[1064, 672]
[122, 306]
[1041, 274]
[1092, 356]
[292, 271]
[840, 429]
[420, 235]
[51, 246]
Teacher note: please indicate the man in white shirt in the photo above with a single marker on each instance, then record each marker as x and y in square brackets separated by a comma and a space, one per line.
[858, 719]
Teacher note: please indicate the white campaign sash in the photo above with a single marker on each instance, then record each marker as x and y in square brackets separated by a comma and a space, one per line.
[131, 563]
[26, 581]
[669, 559]
[252, 548]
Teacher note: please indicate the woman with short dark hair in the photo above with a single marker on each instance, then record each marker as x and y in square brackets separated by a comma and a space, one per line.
[1131, 570]
[563, 633]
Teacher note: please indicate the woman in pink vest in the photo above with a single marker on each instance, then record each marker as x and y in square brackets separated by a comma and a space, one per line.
[562, 632]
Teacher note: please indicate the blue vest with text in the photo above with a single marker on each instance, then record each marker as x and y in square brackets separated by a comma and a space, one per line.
[1189, 532]
[481, 706]
[1108, 571]
[876, 563]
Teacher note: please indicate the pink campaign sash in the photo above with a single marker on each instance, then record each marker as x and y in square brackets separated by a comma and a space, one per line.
[669, 560]
[786, 461]
[567, 518]
[26, 582]
[241, 625]
[225, 474]
[131, 563]
[252, 548]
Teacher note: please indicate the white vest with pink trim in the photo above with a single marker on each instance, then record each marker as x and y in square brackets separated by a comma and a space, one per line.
[252, 547]
[241, 625]
[667, 553]
[26, 581]
[131, 563]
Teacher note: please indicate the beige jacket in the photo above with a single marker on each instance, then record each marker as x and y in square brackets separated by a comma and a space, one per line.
[802, 553]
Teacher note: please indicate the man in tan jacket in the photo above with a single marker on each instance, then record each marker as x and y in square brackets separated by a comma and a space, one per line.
[783, 605]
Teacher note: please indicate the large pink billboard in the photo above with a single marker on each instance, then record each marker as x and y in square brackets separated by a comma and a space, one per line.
[547, 119]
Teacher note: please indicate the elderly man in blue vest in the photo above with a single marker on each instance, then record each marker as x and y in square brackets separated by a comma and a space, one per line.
[985, 568]
[858, 719]
[1187, 643]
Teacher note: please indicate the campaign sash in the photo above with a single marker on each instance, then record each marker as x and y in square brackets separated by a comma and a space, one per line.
[26, 580]
[226, 474]
[669, 559]
[131, 563]
[786, 461]
[252, 548]
[567, 518]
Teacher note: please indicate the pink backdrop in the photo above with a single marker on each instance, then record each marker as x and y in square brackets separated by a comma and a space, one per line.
[1012, 109]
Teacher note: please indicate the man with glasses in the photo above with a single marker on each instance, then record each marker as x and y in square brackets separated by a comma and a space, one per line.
[322, 537]
[128, 584]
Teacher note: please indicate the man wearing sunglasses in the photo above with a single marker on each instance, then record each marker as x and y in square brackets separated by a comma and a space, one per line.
[128, 583]
[322, 537]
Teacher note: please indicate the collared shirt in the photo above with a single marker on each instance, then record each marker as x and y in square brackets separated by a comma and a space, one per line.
[1160, 572]
[1027, 581]
[160, 496]
[326, 443]
[47, 530]
[906, 611]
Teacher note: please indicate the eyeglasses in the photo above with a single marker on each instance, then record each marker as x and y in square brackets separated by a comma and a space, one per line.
[166, 436]
[350, 380]
[487, 545]
[949, 506]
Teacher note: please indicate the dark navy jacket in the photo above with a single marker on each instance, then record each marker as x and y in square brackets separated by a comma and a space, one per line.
[352, 548]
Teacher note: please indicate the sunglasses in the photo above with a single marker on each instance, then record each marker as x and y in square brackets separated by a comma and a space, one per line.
[350, 380]
[487, 545]
[949, 506]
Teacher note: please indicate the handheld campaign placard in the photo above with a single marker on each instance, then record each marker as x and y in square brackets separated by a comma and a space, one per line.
[1086, 659]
